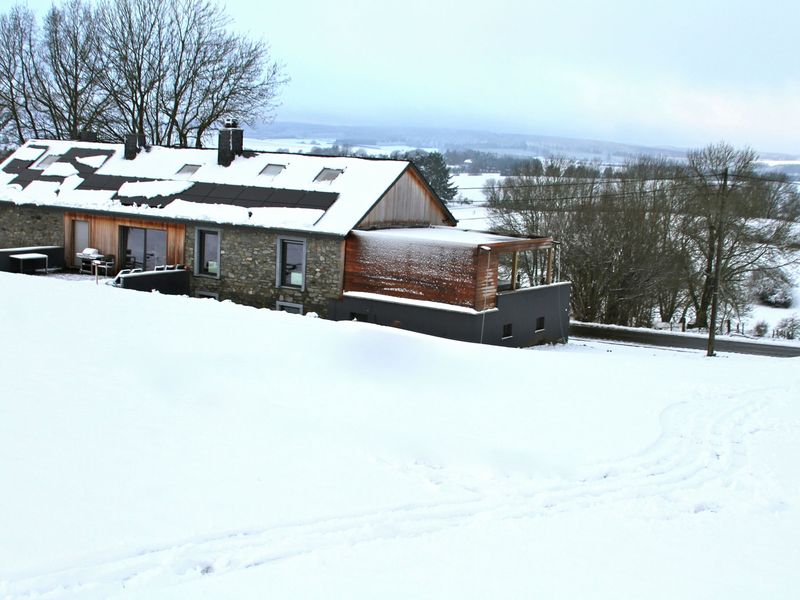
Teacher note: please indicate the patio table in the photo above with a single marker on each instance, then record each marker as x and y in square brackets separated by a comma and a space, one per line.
[31, 256]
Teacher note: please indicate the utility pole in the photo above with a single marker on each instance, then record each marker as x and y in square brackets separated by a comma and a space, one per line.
[720, 231]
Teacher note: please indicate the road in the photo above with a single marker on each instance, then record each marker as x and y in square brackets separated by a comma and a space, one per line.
[676, 340]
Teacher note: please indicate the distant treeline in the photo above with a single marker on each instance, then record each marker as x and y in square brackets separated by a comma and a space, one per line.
[475, 162]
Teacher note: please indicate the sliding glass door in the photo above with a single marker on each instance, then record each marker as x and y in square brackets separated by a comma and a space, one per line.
[143, 248]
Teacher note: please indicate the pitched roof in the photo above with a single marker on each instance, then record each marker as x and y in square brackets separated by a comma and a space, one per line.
[189, 184]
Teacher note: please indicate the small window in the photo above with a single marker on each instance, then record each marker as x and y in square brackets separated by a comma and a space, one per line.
[539, 324]
[48, 160]
[507, 331]
[207, 253]
[289, 307]
[291, 263]
[328, 175]
[187, 170]
[272, 170]
[205, 294]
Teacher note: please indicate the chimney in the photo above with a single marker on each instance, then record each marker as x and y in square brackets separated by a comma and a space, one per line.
[231, 143]
[133, 143]
[87, 135]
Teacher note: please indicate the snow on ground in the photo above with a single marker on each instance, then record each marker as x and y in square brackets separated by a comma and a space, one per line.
[161, 447]
[469, 207]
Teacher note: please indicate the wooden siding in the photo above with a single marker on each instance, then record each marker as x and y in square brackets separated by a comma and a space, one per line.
[485, 279]
[411, 269]
[407, 202]
[104, 234]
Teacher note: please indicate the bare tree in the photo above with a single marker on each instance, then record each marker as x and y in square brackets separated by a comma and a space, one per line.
[67, 85]
[737, 222]
[18, 40]
[134, 38]
[171, 70]
[613, 232]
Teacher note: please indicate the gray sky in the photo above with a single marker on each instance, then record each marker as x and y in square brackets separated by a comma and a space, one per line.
[683, 73]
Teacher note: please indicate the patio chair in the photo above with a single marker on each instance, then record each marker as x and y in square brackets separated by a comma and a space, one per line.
[117, 280]
[106, 265]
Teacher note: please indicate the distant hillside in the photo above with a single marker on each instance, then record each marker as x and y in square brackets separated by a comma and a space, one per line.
[486, 141]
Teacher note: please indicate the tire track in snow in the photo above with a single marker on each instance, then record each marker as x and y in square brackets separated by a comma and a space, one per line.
[700, 442]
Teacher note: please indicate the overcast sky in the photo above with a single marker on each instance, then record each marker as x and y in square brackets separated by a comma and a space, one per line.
[682, 73]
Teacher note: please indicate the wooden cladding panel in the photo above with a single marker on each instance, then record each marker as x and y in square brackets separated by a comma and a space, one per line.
[407, 202]
[486, 279]
[104, 234]
[411, 269]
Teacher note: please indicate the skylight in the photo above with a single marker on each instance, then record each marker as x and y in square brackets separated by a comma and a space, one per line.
[328, 175]
[272, 170]
[47, 161]
[187, 170]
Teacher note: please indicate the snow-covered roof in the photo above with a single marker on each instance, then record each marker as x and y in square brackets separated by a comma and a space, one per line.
[151, 185]
[450, 235]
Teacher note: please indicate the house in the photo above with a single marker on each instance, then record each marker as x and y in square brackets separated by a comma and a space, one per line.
[344, 237]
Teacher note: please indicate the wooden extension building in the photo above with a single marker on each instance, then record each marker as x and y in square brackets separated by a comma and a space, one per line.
[344, 237]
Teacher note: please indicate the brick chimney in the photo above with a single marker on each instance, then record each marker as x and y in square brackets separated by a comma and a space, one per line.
[133, 143]
[231, 143]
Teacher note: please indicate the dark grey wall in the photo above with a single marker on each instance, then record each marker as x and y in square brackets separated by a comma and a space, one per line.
[520, 309]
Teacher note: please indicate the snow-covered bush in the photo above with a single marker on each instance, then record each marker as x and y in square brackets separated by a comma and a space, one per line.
[788, 328]
[760, 329]
[772, 289]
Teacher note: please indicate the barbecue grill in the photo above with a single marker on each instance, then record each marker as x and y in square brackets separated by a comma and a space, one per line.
[87, 257]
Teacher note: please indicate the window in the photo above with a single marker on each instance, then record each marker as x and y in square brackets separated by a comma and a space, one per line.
[507, 331]
[187, 170]
[205, 294]
[291, 263]
[328, 175]
[289, 307]
[207, 253]
[272, 170]
[539, 324]
[48, 160]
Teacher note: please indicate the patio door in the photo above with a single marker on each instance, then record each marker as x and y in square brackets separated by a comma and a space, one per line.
[80, 239]
[143, 248]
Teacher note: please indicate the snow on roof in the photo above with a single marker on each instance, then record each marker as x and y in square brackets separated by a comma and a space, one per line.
[450, 235]
[360, 185]
[152, 189]
[416, 302]
[95, 162]
[60, 169]
[39, 192]
[28, 153]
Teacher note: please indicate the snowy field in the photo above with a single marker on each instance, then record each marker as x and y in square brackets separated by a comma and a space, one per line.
[469, 206]
[157, 447]
[307, 145]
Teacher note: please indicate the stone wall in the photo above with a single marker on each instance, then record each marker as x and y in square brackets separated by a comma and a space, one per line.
[30, 225]
[248, 264]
